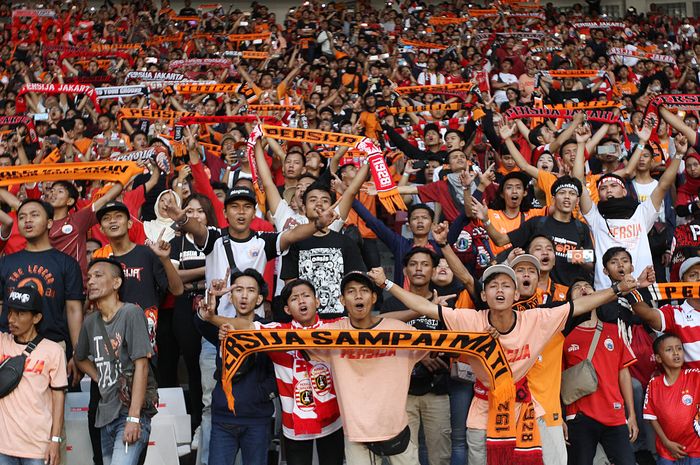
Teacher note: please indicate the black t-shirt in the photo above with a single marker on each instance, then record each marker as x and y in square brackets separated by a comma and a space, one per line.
[324, 260]
[566, 236]
[57, 277]
[145, 283]
[422, 381]
[185, 253]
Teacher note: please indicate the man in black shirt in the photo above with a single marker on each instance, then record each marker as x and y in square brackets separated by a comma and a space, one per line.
[428, 402]
[323, 258]
[148, 271]
[56, 275]
[566, 232]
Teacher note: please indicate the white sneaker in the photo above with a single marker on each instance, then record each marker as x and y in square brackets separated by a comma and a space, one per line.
[196, 438]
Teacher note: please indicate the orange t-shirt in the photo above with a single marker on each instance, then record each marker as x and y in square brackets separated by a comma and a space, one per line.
[370, 203]
[504, 224]
[371, 124]
[545, 179]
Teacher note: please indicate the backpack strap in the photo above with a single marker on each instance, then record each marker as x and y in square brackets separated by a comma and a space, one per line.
[31, 345]
[226, 238]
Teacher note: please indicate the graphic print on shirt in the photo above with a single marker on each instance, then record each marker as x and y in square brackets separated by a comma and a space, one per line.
[108, 370]
[324, 267]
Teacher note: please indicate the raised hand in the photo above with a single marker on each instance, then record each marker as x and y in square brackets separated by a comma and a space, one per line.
[644, 133]
[220, 287]
[488, 176]
[480, 210]
[514, 253]
[160, 247]
[681, 143]
[583, 133]
[377, 275]
[467, 177]
[628, 283]
[174, 212]
[326, 218]
[441, 299]
[507, 129]
[440, 232]
[648, 277]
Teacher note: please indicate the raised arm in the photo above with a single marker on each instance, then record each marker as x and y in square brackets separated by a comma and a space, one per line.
[304, 231]
[590, 302]
[271, 193]
[669, 177]
[458, 268]
[507, 131]
[677, 123]
[567, 133]
[348, 196]
[582, 136]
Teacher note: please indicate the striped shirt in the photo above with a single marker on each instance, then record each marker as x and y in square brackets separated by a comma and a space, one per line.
[684, 322]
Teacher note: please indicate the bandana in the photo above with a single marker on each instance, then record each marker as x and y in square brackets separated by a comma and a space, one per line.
[18, 120]
[567, 185]
[617, 209]
[54, 89]
[239, 344]
[114, 171]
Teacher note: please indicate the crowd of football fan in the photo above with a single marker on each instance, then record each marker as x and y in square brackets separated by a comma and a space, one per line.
[549, 162]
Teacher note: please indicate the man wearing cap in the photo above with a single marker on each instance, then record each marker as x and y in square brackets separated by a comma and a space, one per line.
[31, 415]
[237, 246]
[56, 275]
[523, 335]
[566, 232]
[681, 320]
[148, 272]
[116, 352]
[618, 220]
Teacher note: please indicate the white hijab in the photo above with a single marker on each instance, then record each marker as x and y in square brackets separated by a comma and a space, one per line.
[153, 228]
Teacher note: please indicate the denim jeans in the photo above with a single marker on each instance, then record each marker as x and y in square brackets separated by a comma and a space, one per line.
[114, 450]
[683, 461]
[10, 460]
[460, 399]
[207, 367]
[226, 440]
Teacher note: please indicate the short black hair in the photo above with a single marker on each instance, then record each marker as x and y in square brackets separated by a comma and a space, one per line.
[535, 133]
[70, 188]
[289, 287]
[317, 186]
[45, 205]
[656, 345]
[115, 265]
[612, 251]
[416, 250]
[421, 206]
[537, 236]
[216, 185]
[251, 273]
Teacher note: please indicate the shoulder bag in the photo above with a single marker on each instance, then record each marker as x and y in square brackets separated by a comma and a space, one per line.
[12, 368]
[581, 379]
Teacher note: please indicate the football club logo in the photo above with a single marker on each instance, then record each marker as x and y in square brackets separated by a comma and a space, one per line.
[687, 399]
[609, 344]
[321, 379]
[303, 395]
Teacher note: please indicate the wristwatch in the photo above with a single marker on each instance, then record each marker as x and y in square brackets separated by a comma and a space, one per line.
[56, 439]
[136, 420]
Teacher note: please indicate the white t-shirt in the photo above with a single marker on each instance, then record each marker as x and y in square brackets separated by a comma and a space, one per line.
[643, 193]
[630, 233]
[427, 78]
[500, 95]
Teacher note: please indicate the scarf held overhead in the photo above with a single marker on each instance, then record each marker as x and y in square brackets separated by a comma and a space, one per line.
[18, 120]
[114, 171]
[54, 89]
[239, 344]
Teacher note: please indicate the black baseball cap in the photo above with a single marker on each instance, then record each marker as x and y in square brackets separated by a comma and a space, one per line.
[241, 193]
[111, 207]
[25, 298]
[357, 277]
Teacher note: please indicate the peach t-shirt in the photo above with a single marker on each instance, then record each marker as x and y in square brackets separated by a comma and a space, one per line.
[523, 344]
[25, 413]
[371, 384]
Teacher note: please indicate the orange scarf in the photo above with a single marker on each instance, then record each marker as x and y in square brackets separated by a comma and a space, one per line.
[488, 351]
[114, 171]
[459, 86]
[422, 45]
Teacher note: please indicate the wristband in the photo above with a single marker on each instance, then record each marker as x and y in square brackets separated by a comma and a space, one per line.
[616, 289]
[388, 285]
[406, 175]
[441, 245]
[136, 420]
[56, 439]
[487, 222]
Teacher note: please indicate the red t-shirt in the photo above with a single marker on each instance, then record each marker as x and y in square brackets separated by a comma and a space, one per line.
[675, 407]
[612, 354]
[684, 322]
[439, 192]
[68, 235]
